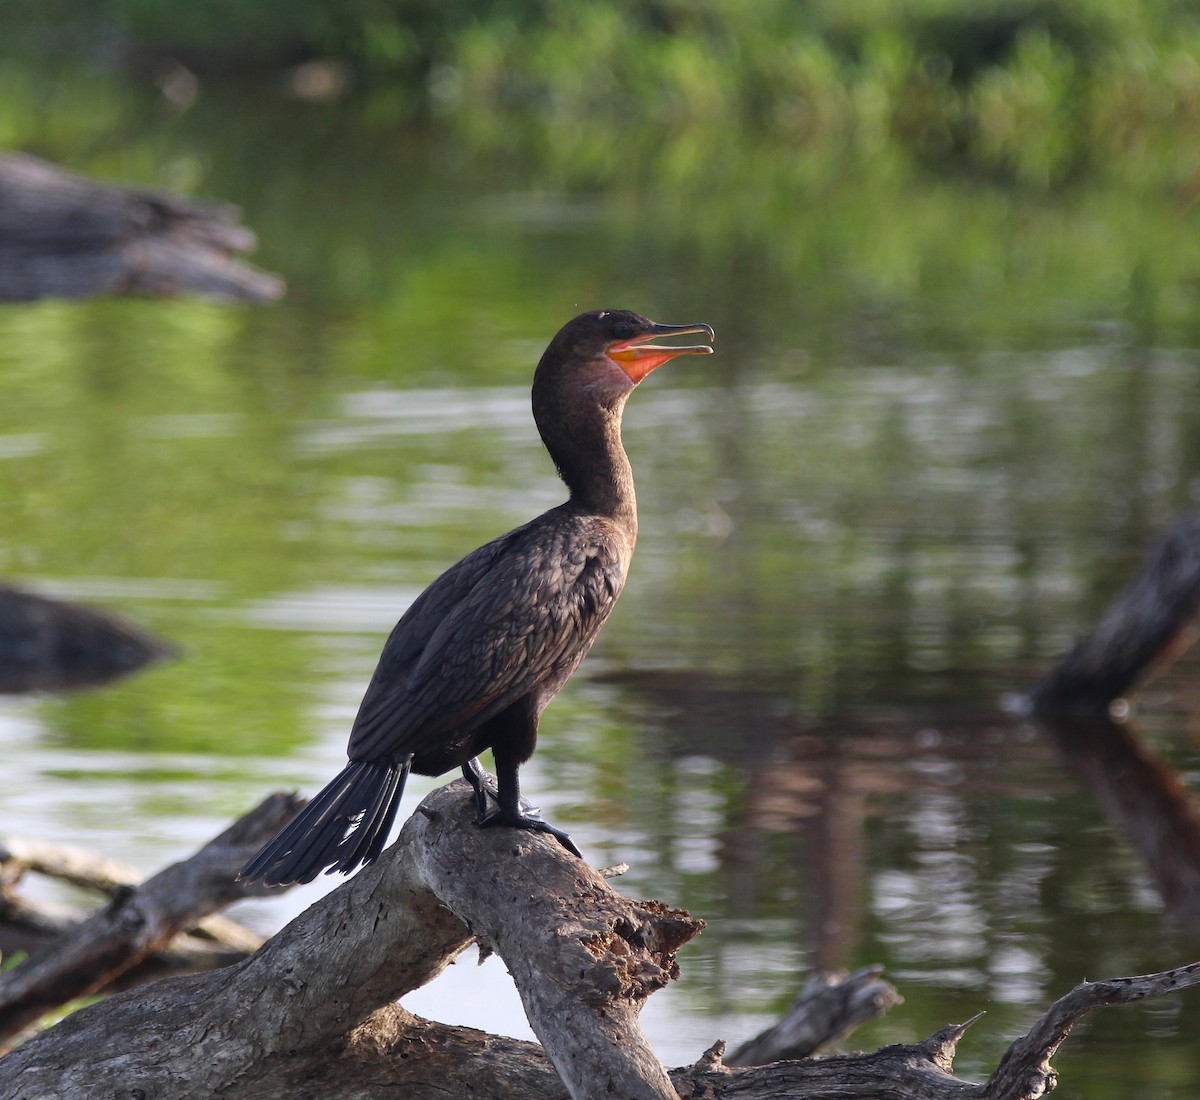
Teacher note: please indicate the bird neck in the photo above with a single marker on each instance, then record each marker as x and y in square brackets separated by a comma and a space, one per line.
[591, 460]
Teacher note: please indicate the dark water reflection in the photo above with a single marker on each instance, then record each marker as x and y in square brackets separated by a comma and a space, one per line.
[883, 505]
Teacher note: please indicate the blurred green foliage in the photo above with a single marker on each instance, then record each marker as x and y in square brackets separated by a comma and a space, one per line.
[1036, 91]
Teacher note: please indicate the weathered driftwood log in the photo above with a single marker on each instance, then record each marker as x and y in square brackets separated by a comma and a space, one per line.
[311, 1014]
[829, 1007]
[1026, 1064]
[139, 921]
[625, 949]
[922, 1071]
[62, 236]
[1149, 622]
[48, 644]
[388, 930]
[28, 925]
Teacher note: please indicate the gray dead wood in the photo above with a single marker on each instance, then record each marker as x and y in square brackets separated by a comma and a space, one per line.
[829, 1007]
[20, 855]
[379, 935]
[63, 236]
[589, 1031]
[29, 925]
[92, 871]
[30, 928]
[1148, 623]
[923, 1071]
[1025, 1067]
[311, 1014]
[139, 921]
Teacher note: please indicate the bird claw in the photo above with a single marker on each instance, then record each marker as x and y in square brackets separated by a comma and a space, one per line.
[484, 786]
[528, 820]
[482, 792]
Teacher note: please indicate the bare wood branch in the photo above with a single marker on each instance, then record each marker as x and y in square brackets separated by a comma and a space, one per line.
[829, 1007]
[397, 1054]
[226, 934]
[139, 921]
[1024, 1072]
[28, 928]
[917, 1071]
[379, 935]
[89, 870]
[63, 861]
[625, 949]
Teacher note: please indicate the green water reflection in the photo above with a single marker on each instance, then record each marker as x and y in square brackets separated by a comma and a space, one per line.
[943, 423]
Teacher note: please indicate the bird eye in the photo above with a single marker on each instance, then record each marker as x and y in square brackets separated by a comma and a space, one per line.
[622, 330]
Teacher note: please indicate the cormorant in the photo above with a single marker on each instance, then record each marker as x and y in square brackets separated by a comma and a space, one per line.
[473, 662]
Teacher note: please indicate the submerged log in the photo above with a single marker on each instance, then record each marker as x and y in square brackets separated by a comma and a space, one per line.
[312, 1012]
[49, 645]
[1148, 623]
[63, 236]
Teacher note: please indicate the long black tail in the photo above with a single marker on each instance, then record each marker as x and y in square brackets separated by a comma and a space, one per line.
[346, 824]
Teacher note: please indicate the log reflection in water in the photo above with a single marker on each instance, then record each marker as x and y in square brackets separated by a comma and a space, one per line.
[1146, 800]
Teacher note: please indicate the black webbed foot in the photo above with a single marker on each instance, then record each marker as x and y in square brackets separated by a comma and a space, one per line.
[510, 809]
[484, 785]
[527, 820]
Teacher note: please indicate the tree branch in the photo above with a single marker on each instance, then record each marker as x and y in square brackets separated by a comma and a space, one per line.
[379, 935]
[1024, 1071]
[139, 921]
[626, 949]
[829, 1007]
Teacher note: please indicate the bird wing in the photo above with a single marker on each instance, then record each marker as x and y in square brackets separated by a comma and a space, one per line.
[489, 631]
[411, 634]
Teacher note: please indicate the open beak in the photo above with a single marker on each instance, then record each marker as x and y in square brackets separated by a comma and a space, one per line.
[638, 359]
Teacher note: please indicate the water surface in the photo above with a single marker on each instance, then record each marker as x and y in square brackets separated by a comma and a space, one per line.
[943, 423]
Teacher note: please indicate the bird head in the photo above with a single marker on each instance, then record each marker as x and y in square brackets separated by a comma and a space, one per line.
[605, 338]
[599, 357]
[625, 342]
